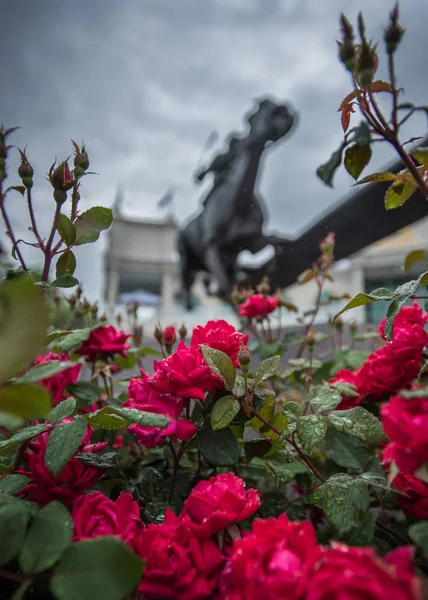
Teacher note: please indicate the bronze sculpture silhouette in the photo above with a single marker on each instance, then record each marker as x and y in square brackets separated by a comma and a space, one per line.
[232, 217]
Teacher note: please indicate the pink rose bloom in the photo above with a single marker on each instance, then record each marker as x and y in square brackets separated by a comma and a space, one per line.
[74, 479]
[58, 383]
[169, 335]
[359, 574]
[216, 504]
[408, 315]
[95, 515]
[104, 343]
[179, 565]
[275, 562]
[352, 377]
[405, 421]
[184, 374]
[142, 397]
[414, 494]
[257, 306]
[220, 336]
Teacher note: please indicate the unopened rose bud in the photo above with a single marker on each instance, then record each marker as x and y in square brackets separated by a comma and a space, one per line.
[60, 196]
[264, 287]
[310, 339]
[182, 332]
[103, 319]
[338, 323]
[61, 177]
[158, 334]
[72, 300]
[119, 318]
[94, 309]
[244, 358]
[393, 33]
[353, 327]
[137, 334]
[366, 65]
[25, 170]
[169, 335]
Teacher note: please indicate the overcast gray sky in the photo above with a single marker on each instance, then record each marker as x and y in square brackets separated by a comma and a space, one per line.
[144, 82]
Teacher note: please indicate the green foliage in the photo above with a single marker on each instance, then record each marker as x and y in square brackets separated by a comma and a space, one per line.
[358, 422]
[49, 535]
[106, 418]
[418, 532]
[311, 430]
[63, 443]
[13, 526]
[99, 568]
[398, 193]
[62, 410]
[22, 436]
[224, 411]
[25, 400]
[221, 364]
[346, 450]
[325, 400]
[140, 417]
[267, 369]
[84, 392]
[66, 264]
[356, 159]
[12, 484]
[66, 230]
[22, 331]
[91, 223]
[219, 448]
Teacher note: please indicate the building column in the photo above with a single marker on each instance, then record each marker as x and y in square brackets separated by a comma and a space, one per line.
[167, 293]
[357, 287]
[112, 290]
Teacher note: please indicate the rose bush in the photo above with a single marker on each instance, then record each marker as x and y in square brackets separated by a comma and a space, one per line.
[225, 469]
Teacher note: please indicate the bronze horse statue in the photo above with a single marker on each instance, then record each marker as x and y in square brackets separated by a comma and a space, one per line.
[232, 217]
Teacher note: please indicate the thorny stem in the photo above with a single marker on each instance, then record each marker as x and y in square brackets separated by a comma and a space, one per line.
[48, 247]
[393, 80]
[74, 202]
[33, 220]
[407, 160]
[10, 233]
[302, 346]
[303, 459]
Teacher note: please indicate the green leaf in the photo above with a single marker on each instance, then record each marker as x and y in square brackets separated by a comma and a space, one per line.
[410, 287]
[346, 450]
[292, 410]
[356, 159]
[359, 422]
[398, 193]
[63, 443]
[359, 300]
[102, 568]
[220, 448]
[66, 230]
[72, 339]
[12, 484]
[49, 535]
[13, 525]
[287, 472]
[363, 136]
[418, 532]
[414, 257]
[374, 177]
[91, 223]
[65, 281]
[345, 501]
[84, 392]
[266, 411]
[66, 264]
[279, 421]
[221, 364]
[325, 400]
[378, 480]
[421, 155]
[326, 171]
[224, 411]
[24, 320]
[44, 370]
[266, 369]
[22, 436]
[26, 400]
[140, 417]
[64, 409]
[100, 461]
[105, 418]
[364, 533]
[311, 430]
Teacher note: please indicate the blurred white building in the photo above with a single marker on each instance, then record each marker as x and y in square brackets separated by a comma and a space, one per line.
[142, 265]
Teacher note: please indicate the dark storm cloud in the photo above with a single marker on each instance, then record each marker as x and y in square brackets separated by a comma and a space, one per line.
[145, 81]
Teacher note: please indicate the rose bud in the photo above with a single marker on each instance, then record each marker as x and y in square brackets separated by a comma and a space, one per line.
[169, 335]
[182, 332]
[61, 177]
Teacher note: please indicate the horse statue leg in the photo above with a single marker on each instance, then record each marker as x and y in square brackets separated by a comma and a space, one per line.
[215, 265]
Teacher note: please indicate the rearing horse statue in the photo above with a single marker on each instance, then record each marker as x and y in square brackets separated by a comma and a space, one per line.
[232, 218]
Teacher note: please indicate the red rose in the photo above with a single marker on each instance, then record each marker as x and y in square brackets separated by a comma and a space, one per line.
[179, 565]
[58, 383]
[142, 397]
[95, 515]
[413, 494]
[405, 421]
[274, 562]
[104, 343]
[412, 315]
[74, 479]
[216, 504]
[169, 335]
[184, 374]
[220, 336]
[359, 574]
[389, 370]
[258, 306]
[346, 376]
